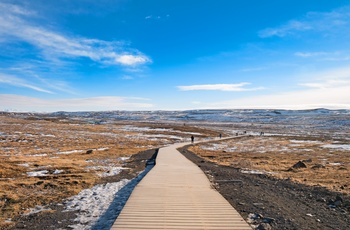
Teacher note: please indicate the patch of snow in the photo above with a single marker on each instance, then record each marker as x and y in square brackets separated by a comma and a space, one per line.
[108, 170]
[306, 142]
[57, 171]
[38, 173]
[37, 209]
[102, 149]
[337, 146]
[24, 165]
[99, 206]
[47, 135]
[39, 155]
[335, 164]
[70, 152]
[92, 203]
[123, 158]
[249, 171]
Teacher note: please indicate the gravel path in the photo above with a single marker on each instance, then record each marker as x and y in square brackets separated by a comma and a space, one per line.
[270, 203]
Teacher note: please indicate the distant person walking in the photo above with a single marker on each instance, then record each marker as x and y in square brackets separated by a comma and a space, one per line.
[192, 138]
[220, 135]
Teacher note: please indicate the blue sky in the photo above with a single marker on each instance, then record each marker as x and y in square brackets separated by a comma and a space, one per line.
[174, 54]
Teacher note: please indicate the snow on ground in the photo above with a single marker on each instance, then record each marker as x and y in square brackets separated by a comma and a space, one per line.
[38, 173]
[99, 206]
[71, 151]
[216, 147]
[37, 209]
[337, 147]
[43, 172]
[251, 171]
[306, 142]
[38, 155]
[108, 170]
[123, 158]
[91, 203]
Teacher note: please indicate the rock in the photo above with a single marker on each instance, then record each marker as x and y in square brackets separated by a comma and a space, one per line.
[299, 164]
[338, 198]
[268, 220]
[321, 200]
[337, 203]
[89, 151]
[342, 168]
[318, 166]
[264, 226]
[307, 161]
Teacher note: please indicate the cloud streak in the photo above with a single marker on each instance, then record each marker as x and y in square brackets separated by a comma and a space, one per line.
[106, 103]
[220, 87]
[15, 23]
[336, 21]
[17, 82]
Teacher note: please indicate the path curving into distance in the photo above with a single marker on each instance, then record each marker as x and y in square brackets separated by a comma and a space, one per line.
[176, 194]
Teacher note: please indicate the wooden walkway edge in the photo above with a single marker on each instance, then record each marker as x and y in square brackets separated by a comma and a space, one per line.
[176, 194]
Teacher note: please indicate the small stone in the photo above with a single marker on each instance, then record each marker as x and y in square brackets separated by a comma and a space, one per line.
[299, 164]
[308, 160]
[338, 198]
[321, 200]
[258, 204]
[89, 151]
[264, 226]
[309, 214]
[337, 203]
[268, 220]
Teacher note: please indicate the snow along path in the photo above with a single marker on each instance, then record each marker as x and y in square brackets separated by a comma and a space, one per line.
[99, 206]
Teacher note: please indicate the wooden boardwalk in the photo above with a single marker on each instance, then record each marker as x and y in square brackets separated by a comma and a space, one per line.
[176, 194]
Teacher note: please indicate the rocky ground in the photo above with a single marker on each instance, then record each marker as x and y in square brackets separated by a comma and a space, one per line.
[271, 203]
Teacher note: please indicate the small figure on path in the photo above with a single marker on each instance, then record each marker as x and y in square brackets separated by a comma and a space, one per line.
[192, 138]
[220, 135]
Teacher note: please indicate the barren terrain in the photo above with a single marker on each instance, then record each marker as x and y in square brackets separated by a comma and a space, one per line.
[47, 159]
[297, 174]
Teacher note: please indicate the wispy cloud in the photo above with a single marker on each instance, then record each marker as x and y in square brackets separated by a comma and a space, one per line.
[15, 24]
[17, 82]
[310, 54]
[336, 78]
[220, 87]
[22, 103]
[336, 20]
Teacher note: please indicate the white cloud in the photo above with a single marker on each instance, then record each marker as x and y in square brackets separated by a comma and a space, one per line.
[310, 54]
[15, 81]
[331, 98]
[131, 60]
[14, 24]
[335, 21]
[220, 87]
[324, 89]
[22, 103]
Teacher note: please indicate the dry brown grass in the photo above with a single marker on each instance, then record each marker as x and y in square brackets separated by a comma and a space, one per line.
[29, 145]
[325, 166]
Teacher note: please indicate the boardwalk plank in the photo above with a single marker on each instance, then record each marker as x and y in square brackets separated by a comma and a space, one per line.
[176, 194]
